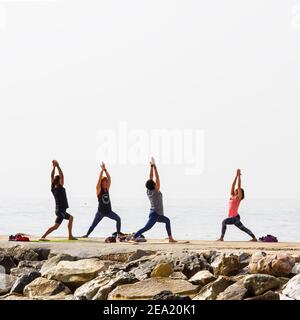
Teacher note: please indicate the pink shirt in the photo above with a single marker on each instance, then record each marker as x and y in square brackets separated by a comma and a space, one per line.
[234, 204]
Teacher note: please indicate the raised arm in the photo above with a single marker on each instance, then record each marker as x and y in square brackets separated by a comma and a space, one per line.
[157, 179]
[107, 175]
[240, 193]
[53, 173]
[233, 186]
[151, 176]
[98, 187]
[154, 172]
[61, 175]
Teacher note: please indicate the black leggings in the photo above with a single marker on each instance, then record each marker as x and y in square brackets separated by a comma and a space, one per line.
[237, 222]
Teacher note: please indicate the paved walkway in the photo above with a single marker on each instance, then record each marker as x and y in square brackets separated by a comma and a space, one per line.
[94, 247]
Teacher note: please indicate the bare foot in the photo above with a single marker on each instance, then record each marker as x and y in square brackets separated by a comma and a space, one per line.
[85, 237]
[171, 240]
[43, 239]
[221, 239]
[72, 238]
[253, 240]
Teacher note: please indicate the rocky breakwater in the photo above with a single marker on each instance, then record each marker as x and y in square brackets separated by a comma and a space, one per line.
[38, 274]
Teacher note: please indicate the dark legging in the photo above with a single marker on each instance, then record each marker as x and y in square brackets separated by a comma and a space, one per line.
[99, 216]
[153, 218]
[237, 222]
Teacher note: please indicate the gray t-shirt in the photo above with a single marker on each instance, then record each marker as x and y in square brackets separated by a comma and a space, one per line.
[156, 200]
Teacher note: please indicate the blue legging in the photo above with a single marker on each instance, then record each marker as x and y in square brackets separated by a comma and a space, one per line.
[153, 218]
[99, 216]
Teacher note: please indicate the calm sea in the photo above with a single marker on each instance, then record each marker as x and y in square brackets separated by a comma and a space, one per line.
[191, 219]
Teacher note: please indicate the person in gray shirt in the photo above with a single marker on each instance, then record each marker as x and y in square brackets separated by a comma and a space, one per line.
[156, 200]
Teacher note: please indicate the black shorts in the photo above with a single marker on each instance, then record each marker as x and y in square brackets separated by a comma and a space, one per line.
[61, 215]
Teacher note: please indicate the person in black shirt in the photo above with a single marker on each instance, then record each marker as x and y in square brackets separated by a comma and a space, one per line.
[61, 202]
[104, 208]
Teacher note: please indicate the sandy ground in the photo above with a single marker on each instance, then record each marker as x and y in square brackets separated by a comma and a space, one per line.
[95, 247]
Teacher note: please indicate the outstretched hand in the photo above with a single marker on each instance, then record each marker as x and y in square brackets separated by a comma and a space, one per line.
[152, 162]
[238, 173]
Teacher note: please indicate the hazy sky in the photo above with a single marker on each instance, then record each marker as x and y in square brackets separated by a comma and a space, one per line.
[231, 69]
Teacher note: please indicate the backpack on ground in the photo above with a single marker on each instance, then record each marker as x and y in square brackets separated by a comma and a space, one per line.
[268, 238]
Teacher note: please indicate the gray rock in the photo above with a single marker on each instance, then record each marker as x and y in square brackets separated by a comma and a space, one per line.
[20, 253]
[75, 273]
[209, 255]
[278, 265]
[213, 289]
[270, 295]
[147, 289]
[43, 253]
[292, 288]
[189, 263]
[100, 287]
[6, 283]
[296, 269]
[53, 261]
[22, 282]
[258, 284]
[226, 265]
[237, 291]
[42, 287]
[122, 278]
[245, 259]
[202, 278]
[6, 262]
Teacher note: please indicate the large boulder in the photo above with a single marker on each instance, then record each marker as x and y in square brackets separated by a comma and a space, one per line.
[292, 288]
[278, 265]
[100, 287]
[258, 284]
[202, 278]
[42, 287]
[53, 261]
[226, 265]
[270, 295]
[6, 283]
[162, 270]
[75, 273]
[20, 253]
[213, 289]
[236, 291]
[6, 262]
[22, 282]
[148, 288]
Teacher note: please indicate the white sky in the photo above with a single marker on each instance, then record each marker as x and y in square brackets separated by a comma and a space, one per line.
[71, 68]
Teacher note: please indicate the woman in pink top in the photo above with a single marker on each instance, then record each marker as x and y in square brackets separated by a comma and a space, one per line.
[237, 195]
